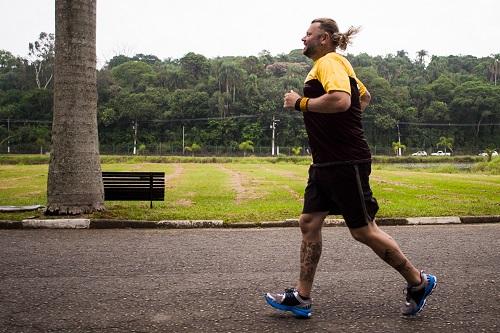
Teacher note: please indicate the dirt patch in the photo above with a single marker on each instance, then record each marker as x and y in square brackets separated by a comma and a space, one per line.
[178, 171]
[383, 181]
[380, 181]
[244, 187]
[293, 193]
[283, 173]
[183, 203]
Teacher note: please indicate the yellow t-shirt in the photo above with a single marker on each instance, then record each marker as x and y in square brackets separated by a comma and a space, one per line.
[333, 71]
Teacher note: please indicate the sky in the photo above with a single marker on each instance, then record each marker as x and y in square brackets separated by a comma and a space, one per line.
[172, 28]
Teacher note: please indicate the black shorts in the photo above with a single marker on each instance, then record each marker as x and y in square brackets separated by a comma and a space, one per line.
[341, 189]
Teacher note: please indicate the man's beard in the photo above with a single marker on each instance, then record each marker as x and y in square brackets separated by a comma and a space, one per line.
[309, 51]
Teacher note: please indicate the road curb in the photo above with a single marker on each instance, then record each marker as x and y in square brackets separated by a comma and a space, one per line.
[190, 224]
[78, 223]
[4, 224]
[434, 220]
[56, 224]
[480, 219]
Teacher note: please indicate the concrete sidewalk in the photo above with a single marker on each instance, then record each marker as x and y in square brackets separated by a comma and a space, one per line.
[80, 223]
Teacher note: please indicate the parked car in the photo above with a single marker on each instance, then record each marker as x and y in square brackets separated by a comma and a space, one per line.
[493, 154]
[440, 153]
[420, 153]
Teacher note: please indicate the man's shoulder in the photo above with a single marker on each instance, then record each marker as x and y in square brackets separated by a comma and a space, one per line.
[333, 59]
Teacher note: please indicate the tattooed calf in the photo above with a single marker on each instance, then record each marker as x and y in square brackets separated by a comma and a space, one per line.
[310, 252]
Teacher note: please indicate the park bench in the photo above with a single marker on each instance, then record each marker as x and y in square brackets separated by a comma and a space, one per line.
[137, 186]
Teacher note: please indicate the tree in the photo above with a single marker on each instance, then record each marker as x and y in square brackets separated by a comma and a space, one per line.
[229, 75]
[74, 181]
[11, 71]
[397, 147]
[117, 60]
[133, 75]
[489, 153]
[246, 146]
[494, 70]
[195, 66]
[442, 88]
[147, 58]
[445, 142]
[421, 55]
[193, 148]
[41, 53]
[476, 102]
[141, 149]
[296, 151]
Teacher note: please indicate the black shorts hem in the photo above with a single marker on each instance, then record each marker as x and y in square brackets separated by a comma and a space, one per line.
[341, 190]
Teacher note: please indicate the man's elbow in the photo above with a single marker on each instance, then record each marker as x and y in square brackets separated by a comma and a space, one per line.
[366, 97]
[365, 100]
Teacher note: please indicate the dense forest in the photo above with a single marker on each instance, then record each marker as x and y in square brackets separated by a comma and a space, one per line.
[227, 104]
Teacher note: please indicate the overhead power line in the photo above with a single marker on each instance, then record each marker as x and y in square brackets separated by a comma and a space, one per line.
[448, 124]
[259, 116]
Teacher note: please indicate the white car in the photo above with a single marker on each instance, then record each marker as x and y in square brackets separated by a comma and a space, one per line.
[495, 153]
[440, 153]
[420, 153]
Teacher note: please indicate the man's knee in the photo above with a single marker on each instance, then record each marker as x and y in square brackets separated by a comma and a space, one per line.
[311, 222]
[364, 234]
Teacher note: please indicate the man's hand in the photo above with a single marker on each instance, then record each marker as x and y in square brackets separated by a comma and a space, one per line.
[289, 99]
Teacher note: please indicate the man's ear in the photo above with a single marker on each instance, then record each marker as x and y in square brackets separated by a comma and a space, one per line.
[324, 36]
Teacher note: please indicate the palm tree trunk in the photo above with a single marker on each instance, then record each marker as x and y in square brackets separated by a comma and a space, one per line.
[74, 180]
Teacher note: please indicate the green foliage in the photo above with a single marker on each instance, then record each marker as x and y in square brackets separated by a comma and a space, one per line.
[193, 148]
[133, 75]
[489, 151]
[141, 149]
[492, 166]
[296, 150]
[397, 146]
[227, 100]
[246, 147]
[445, 142]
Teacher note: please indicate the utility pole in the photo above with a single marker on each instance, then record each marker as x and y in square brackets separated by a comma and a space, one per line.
[135, 138]
[399, 140]
[183, 145]
[8, 135]
[273, 127]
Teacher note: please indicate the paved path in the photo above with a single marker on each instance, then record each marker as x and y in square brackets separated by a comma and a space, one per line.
[213, 280]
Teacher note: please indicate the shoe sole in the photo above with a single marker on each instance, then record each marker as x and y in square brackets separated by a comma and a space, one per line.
[299, 313]
[425, 299]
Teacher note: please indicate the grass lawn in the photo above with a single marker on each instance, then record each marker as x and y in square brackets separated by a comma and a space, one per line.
[239, 192]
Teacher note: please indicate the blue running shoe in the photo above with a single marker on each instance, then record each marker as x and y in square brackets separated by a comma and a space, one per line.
[416, 296]
[291, 301]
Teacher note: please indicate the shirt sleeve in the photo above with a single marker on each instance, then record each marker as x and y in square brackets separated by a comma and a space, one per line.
[361, 87]
[333, 76]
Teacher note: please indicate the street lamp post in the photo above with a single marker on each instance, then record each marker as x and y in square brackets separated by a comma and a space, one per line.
[183, 144]
[135, 138]
[399, 140]
[8, 135]
[273, 127]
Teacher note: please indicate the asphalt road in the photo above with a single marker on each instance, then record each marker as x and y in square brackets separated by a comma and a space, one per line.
[213, 280]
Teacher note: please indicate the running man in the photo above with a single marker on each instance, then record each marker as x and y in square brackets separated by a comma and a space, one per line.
[333, 102]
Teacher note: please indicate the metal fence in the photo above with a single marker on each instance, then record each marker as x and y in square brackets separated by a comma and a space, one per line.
[166, 149]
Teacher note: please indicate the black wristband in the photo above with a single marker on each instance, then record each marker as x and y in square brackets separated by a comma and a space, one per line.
[297, 104]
